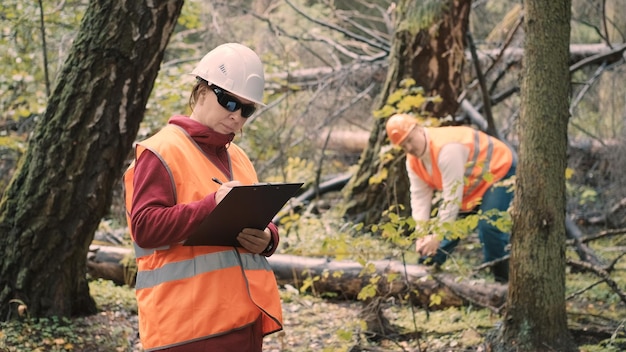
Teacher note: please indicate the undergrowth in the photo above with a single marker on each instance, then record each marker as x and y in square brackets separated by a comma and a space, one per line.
[107, 331]
[316, 321]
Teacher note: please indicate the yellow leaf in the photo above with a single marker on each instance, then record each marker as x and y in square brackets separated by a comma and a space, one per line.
[435, 300]
[59, 341]
[407, 82]
[411, 103]
[395, 97]
[379, 177]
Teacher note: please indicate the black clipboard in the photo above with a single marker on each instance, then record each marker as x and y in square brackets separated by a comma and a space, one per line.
[252, 206]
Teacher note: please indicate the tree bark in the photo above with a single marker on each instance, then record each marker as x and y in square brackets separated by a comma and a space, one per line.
[433, 56]
[62, 189]
[536, 319]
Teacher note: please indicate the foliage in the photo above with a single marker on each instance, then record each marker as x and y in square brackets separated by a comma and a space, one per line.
[111, 297]
[583, 193]
[22, 77]
[585, 297]
[22, 96]
[409, 99]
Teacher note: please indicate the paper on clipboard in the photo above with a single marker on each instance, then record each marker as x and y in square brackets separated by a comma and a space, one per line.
[252, 206]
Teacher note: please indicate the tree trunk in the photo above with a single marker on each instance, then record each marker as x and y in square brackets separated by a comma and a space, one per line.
[433, 55]
[62, 189]
[536, 319]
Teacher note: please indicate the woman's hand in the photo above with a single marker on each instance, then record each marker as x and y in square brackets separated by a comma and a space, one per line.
[254, 240]
[224, 189]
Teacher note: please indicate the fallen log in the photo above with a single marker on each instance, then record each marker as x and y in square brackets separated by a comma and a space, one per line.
[111, 263]
[342, 279]
[346, 279]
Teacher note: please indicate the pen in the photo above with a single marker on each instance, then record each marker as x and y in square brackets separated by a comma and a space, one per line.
[216, 180]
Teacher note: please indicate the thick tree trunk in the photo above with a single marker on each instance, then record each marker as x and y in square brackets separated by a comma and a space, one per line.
[433, 55]
[536, 316]
[62, 190]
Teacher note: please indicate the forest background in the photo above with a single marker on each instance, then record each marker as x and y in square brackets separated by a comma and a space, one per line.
[318, 131]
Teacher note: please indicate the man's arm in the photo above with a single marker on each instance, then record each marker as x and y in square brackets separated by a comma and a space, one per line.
[421, 196]
[451, 163]
[452, 160]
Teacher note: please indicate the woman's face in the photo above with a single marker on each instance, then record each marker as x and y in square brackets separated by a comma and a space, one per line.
[210, 113]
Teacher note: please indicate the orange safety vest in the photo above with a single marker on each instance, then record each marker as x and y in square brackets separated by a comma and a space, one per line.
[488, 161]
[190, 293]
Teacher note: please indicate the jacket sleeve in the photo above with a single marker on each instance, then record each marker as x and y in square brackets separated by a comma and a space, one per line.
[452, 159]
[421, 196]
[274, 241]
[156, 219]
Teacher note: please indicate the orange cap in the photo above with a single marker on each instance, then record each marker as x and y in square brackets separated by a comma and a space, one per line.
[399, 126]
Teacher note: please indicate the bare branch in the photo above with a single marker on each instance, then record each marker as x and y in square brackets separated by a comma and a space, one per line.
[609, 57]
[603, 234]
[600, 272]
[42, 27]
[382, 46]
[491, 127]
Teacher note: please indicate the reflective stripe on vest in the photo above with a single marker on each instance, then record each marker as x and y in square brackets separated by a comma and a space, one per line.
[474, 182]
[487, 156]
[190, 293]
[198, 265]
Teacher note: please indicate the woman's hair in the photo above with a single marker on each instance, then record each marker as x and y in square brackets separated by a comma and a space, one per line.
[197, 90]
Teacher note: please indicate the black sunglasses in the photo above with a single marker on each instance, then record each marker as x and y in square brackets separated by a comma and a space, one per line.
[231, 104]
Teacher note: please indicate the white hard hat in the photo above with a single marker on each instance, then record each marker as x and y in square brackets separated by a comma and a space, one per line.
[235, 68]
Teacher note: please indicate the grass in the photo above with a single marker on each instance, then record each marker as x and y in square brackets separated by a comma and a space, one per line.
[107, 331]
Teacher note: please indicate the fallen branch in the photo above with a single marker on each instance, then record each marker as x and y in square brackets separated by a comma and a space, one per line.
[600, 272]
[342, 279]
[575, 235]
[603, 234]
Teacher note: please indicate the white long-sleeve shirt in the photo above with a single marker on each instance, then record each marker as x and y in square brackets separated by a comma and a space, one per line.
[452, 160]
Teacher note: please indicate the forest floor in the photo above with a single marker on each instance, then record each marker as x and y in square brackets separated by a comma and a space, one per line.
[315, 323]
[318, 324]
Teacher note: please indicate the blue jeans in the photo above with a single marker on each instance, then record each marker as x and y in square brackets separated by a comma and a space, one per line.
[493, 241]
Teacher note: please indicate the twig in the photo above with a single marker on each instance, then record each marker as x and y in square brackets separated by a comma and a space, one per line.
[602, 234]
[486, 265]
[382, 46]
[44, 48]
[599, 272]
[583, 290]
[610, 56]
[575, 234]
[491, 127]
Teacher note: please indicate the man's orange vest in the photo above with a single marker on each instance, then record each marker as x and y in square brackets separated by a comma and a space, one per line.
[190, 293]
[489, 160]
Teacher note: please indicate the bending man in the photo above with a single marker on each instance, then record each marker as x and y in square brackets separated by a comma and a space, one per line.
[466, 165]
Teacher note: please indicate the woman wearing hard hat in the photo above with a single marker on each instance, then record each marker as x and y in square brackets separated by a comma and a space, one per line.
[465, 165]
[201, 298]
